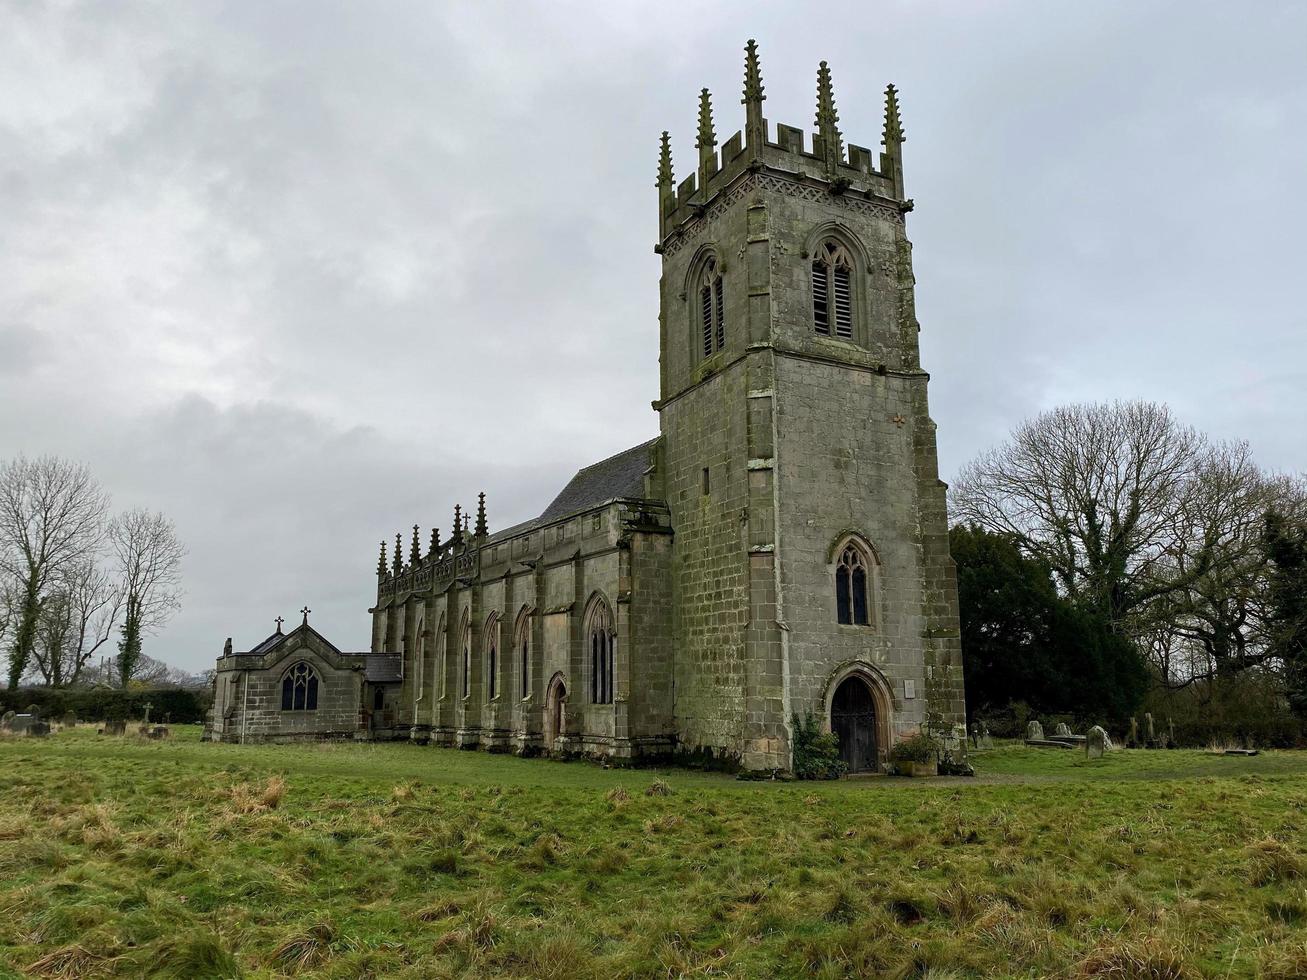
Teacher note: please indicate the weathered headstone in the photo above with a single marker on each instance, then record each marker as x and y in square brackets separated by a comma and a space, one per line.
[7, 720]
[1097, 742]
[1035, 731]
[115, 728]
[986, 739]
[38, 728]
[1132, 741]
[69, 719]
[1150, 736]
[1062, 728]
[19, 724]
[34, 710]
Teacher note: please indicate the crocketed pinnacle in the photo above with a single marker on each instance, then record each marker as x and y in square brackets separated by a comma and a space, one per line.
[752, 74]
[482, 528]
[827, 117]
[458, 524]
[707, 138]
[893, 126]
[381, 562]
[399, 552]
[415, 551]
[435, 543]
[665, 178]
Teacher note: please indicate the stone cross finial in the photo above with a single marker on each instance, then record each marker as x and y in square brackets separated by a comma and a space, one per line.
[305, 613]
[827, 117]
[753, 97]
[279, 621]
[665, 178]
[482, 528]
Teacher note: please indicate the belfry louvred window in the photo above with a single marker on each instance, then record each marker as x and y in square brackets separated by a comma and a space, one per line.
[832, 290]
[299, 689]
[712, 316]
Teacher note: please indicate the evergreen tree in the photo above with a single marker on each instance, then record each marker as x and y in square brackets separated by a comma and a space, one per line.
[129, 647]
[1022, 641]
[1286, 543]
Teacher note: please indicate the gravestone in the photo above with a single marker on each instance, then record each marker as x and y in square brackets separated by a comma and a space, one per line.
[38, 728]
[1097, 742]
[115, 728]
[70, 719]
[7, 720]
[1150, 736]
[1035, 732]
[1132, 740]
[986, 739]
[19, 724]
[1062, 728]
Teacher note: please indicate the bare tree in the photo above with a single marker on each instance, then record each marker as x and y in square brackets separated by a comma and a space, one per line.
[77, 620]
[148, 556]
[51, 516]
[1099, 492]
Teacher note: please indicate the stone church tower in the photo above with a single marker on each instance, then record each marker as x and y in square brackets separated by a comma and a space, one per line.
[780, 549]
[798, 454]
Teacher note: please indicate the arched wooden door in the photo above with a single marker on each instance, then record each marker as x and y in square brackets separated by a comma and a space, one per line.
[853, 720]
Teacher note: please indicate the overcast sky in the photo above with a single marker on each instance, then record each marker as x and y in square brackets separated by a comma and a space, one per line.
[303, 274]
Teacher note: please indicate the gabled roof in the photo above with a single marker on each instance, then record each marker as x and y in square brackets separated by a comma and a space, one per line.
[617, 476]
[278, 638]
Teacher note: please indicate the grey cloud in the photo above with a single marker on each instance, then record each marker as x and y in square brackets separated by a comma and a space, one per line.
[304, 273]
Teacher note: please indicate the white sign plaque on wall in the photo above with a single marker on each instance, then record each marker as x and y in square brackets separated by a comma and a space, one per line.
[909, 689]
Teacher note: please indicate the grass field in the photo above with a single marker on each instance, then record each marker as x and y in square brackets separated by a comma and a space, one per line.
[120, 857]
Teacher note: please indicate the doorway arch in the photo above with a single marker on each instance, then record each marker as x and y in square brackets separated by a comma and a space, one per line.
[555, 710]
[858, 712]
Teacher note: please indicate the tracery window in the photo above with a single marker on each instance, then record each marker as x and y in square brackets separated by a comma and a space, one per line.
[712, 314]
[851, 573]
[299, 689]
[601, 636]
[832, 290]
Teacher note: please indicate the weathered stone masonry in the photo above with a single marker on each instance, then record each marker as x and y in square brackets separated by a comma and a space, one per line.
[780, 548]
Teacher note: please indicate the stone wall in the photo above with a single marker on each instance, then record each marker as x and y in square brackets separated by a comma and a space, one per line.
[247, 705]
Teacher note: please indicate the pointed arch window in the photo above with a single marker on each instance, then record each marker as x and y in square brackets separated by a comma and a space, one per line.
[467, 659]
[852, 574]
[441, 659]
[523, 645]
[490, 645]
[712, 313]
[600, 637]
[832, 290]
[299, 689]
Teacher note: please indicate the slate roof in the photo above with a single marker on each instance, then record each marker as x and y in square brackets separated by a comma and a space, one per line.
[383, 668]
[617, 476]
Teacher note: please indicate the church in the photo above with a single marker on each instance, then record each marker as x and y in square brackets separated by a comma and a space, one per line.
[779, 550]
